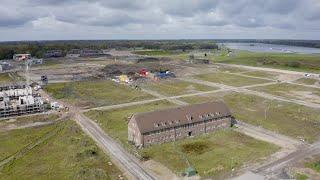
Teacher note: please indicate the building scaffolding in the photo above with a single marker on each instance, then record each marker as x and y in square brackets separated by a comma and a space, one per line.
[19, 99]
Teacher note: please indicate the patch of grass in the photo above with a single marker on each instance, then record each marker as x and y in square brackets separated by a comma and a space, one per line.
[299, 176]
[230, 79]
[115, 122]
[262, 74]
[213, 154]
[5, 78]
[292, 91]
[12, 141]
[231, 69]
[95, 93]
[174, 55]
[29, 119]
[68, 155]
[315, 165]
[296, 62]
[307, 81]
[177, 87]
[285, 118]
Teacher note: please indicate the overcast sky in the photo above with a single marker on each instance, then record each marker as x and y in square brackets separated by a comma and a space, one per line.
[159, 19]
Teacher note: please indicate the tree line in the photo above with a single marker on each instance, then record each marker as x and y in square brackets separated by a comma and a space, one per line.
[38, 48]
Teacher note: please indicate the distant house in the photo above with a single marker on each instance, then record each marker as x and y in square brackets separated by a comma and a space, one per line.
[35, 61]
[177, 123]
[74, 53]
[5, 66]
[21, 57]
[91, 53]
[53, 54]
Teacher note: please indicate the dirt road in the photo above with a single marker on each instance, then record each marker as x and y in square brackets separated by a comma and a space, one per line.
[265, 69]
[274, 169]
[252, 92]
[108, 145]
[268, 136]
[156, 94]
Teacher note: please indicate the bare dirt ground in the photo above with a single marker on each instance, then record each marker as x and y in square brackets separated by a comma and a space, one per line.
[159, 170]
[64, 74]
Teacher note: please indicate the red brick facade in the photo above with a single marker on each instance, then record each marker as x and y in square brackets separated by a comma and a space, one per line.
[175, 130]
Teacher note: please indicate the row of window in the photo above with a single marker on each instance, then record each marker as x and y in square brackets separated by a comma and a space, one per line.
[171, 137]
[184, 126]
[190, 118]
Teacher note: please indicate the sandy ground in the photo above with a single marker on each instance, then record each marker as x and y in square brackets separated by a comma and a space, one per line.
[159, 170]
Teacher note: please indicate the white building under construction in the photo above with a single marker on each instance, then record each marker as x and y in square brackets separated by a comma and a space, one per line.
[19, 99]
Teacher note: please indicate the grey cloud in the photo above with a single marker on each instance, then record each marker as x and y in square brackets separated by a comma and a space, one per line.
[168, 15]
[187, 8]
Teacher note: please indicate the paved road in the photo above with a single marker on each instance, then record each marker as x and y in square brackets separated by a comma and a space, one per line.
[111, 147]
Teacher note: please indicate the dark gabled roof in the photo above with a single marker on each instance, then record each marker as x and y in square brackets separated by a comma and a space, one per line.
[162, 119]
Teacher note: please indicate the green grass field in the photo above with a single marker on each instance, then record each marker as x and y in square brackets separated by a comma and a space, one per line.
[214, 159]
[296, 62]
[19, 121]
[286, 118]
[231, 69]
[67, 155]
[230, 79]
[307, 81]
[95, 93]
[164, 53]
[262, 74]
[12, 141]
[292, 91]
[213, 154]
[5, 78]
[299, 176]
[177, 87]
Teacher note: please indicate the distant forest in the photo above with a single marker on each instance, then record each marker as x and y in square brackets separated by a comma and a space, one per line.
[38, 48]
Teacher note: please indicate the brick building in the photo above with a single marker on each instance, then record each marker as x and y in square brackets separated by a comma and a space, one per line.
[177, 123]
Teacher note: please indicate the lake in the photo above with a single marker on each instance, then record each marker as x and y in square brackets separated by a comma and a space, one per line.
[272, 48]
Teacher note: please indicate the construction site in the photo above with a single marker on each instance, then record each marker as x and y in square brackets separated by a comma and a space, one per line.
[17, 100]
[19, 97]
[106, 94]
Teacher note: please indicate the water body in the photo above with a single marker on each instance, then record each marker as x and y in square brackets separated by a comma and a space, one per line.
[271, 48]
